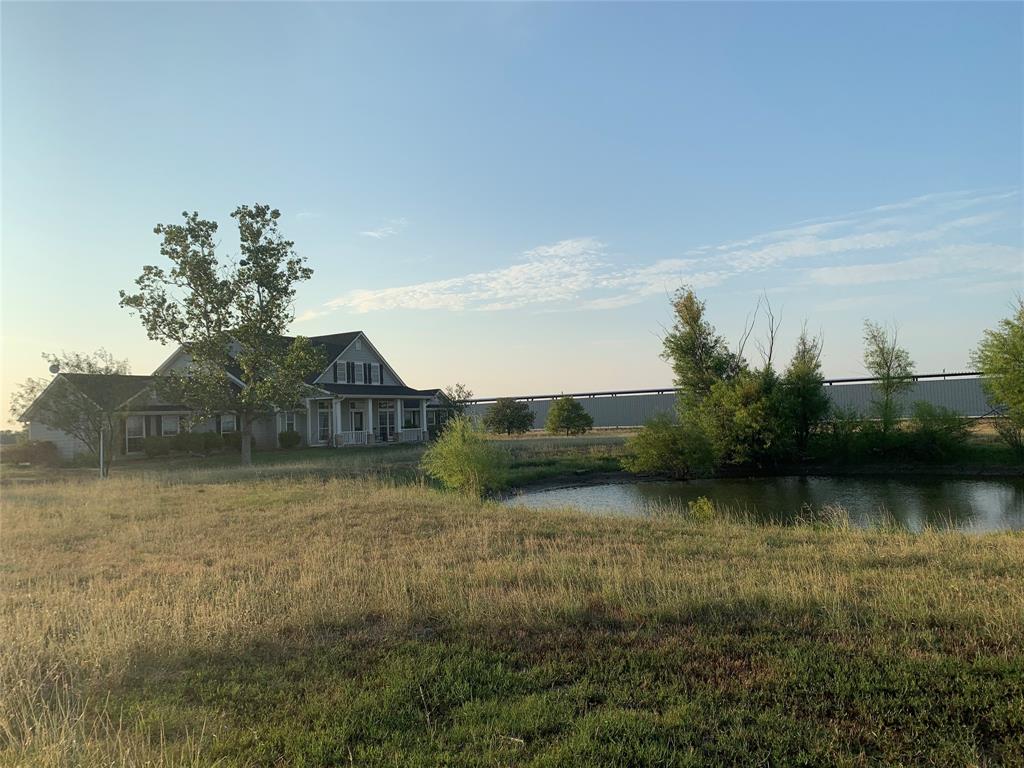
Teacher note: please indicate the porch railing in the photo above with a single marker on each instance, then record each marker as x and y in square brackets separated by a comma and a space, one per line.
[410, 435]
[350, 438]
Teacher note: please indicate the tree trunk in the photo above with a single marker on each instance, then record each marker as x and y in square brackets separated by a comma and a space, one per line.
[108, 451]
[246, 443]
[108, 440]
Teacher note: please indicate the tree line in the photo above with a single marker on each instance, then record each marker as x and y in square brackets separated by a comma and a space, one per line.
[731, 413]
[515, 417]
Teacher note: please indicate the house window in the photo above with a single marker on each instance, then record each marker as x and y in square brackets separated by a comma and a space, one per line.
[228, 423]
[287, 421]
[134, 433]
[410, 415]
[359, 344]
[170, 425]
[359, 374]
[431, 418]
[375, 371]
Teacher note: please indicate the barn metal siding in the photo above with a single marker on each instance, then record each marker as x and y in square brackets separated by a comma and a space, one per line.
[607, 411]
[963, 395]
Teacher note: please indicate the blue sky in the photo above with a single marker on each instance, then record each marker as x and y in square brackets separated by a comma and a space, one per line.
[506, 194]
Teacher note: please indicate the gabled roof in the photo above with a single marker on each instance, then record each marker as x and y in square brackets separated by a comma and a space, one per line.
[335, 343]
[109, 390]
[331, 344]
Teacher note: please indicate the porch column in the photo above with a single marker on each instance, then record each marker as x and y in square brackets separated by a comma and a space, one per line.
[369, 418]
[423, 420]
[337, 419]
[309, 421]
[398, 417]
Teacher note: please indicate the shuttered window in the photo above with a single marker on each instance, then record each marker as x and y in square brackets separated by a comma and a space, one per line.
[350, 372]
[375, 372]
[359, 374]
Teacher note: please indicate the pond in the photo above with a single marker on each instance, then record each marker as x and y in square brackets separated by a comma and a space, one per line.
[970, 504]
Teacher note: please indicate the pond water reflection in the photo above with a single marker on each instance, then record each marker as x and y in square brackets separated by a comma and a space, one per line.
[983, 504]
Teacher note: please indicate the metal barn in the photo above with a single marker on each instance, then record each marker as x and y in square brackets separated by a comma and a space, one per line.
[961, 392]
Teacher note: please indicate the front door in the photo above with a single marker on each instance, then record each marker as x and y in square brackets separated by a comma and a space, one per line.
[357, 421]
[386, 420]
[323, 421]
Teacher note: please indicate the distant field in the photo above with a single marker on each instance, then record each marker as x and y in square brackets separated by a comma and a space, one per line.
[321, 620]
[533, 457]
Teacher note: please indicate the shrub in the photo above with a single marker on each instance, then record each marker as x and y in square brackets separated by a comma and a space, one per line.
[745, 422]
[289, 439]
[702, 509]
[509, 416]
[188, 442]
[155, 446]
[667, 448]
[41, 452]
[841, 434]
[212, 441]
[461, 459]
[233, 440]
[936, 432]
[568, 415]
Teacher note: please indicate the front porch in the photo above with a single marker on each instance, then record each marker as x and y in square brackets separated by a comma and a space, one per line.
[339, 422]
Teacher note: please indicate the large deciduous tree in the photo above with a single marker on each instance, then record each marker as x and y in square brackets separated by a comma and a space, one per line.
[513, 417]
[93, 421]
[1000, 356]
[229, 317]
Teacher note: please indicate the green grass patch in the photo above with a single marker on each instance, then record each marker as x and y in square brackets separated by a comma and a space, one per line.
[310, 621]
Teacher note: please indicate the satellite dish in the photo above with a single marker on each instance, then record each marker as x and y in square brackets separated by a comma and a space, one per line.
[55, 368]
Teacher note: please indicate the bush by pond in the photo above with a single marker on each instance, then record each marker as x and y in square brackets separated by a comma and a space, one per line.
[462, 459]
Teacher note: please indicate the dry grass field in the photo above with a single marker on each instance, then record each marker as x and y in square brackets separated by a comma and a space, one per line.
[306, 620]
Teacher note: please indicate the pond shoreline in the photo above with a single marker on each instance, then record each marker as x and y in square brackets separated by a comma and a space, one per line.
[583, 479]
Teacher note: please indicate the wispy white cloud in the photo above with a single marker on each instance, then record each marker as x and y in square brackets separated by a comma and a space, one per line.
[391, 228]
[544, 275]
[988, 259]
[929, 236]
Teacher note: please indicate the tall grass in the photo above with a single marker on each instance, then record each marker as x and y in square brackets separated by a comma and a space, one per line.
[109, 588]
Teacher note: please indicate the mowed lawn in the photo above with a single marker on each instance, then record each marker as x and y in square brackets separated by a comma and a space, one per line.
[309, 620]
